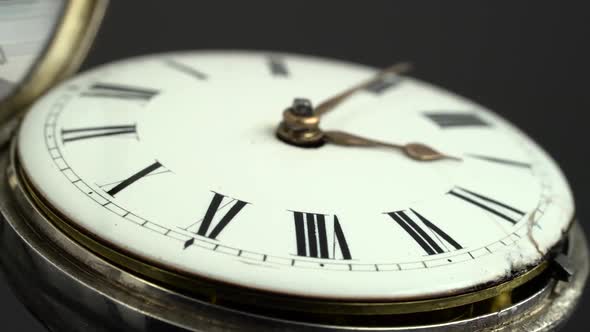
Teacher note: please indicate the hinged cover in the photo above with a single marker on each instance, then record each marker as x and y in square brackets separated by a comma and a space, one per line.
[41, 43]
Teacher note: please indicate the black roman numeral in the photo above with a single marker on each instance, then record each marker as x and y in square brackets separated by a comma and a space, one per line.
[312, 236]
[490, 205]
[421, 236]
[277, 66]
[186, 69]
[383, 85]
[76, 134]
[134, 178]
[451, 120]
[105, 90]
[204, 225]
[506, 162]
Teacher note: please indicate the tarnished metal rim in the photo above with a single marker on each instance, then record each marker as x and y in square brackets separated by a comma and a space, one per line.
[53, 274]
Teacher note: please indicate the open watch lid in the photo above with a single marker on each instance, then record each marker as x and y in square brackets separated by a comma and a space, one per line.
[41, 43]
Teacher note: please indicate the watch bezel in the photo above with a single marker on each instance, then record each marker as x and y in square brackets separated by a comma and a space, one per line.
[66, 49]
[491, 297]
[51, 272]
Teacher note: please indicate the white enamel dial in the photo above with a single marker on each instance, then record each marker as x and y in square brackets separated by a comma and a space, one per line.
[173, 159]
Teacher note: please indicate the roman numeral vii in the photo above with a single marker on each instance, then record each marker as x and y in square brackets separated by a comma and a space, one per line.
[312, 236]
[220, 212]
[429, 236]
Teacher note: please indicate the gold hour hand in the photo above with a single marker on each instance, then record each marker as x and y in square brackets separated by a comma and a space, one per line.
[334, 101]
[416, 151]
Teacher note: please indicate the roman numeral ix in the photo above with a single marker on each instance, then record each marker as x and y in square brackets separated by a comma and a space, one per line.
[76, 134]
[492, 206]
[205, 227]
[105, 90]
[312, 236]
[429, 236]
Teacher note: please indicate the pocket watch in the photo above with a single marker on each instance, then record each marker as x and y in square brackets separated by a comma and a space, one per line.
[250, 190]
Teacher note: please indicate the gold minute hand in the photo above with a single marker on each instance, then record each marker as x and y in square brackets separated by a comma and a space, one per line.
[416, 151]
[334, 101]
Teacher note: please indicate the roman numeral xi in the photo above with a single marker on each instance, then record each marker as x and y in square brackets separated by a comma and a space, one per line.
[220, 212]
[313, 240]
[456, 120]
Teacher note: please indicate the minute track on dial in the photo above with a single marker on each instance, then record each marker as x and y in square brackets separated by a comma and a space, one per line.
[240, 157]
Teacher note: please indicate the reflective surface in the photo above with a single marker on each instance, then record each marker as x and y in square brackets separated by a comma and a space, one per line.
[47, 270]
[26, 27]
[179, 149]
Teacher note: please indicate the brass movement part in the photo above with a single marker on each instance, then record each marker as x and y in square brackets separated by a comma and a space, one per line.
[446, 307]
[62, 56]
[300, 130]
[305, 131]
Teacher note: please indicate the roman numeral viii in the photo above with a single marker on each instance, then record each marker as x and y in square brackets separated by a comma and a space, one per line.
[312, 233]
[492, 206]
[105, 90]
[429, 236]
[212, 224]
[76, 134]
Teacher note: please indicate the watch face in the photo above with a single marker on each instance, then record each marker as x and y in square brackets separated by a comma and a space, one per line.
[173, 159]
[25, 29]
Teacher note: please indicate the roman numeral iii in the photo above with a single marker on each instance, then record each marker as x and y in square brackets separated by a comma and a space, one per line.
[76, 134]
[105, 90]
[492, 206]
[220, 212]
[429, 236]
[454, 120]
[313, 237]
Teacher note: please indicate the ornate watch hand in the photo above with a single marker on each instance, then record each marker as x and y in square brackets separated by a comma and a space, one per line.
[334, 101]
[416, 151]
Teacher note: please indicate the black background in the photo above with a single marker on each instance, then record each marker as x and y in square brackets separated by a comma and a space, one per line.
[527, 60]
